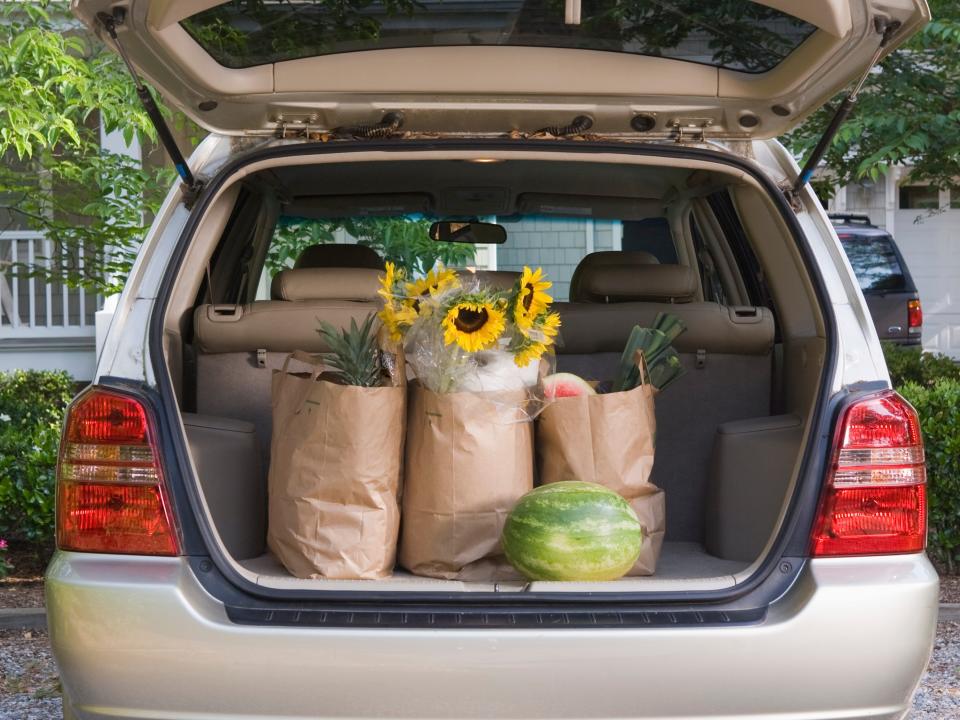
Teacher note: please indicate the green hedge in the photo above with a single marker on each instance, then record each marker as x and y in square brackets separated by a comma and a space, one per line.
[939, 408]
[32, 406]
[911, 365]
[931, 383]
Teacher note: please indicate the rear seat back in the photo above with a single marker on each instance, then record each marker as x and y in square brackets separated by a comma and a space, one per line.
[238, 346]
[725, 350]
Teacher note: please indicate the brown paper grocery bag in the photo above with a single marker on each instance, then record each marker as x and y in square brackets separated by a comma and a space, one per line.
[335, 468]
[469, 458]
[608, 439]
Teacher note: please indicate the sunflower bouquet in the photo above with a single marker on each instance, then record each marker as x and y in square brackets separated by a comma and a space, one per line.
[457, 332]
[476, 352]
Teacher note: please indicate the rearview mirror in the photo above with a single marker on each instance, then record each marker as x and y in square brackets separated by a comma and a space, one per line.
[475, 233]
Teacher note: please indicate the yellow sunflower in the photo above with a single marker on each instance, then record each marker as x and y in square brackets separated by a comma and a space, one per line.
[530, 352]
[435, 282]
[388, 281]
[396, 318]
[531, 299]
[473, 325]
[549, 325]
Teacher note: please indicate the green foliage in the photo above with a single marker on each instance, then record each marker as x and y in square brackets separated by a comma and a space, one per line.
[403, 241]
[292, 236]
[32, 405]
[912, 365]
[909, 112]
[58, 85]
[407, 243]
[354, 352]
[939, 407]
[931, 383]
[5, 566]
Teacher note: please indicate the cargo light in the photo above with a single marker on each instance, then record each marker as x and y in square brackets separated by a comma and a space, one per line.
[914, 316]
[875, 499]
[111, 496]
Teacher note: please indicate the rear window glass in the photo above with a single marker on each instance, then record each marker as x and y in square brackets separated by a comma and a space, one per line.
[653, 236]
[736, 34]
[555, 243]
[874, 262]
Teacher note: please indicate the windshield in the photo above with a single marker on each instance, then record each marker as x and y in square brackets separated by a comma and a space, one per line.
[735, 34]
[874, 262]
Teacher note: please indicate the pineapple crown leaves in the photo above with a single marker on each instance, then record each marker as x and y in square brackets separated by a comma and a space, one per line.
[354, 352]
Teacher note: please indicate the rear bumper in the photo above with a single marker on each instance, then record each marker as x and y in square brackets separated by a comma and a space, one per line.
[139, 638]
[914, 341]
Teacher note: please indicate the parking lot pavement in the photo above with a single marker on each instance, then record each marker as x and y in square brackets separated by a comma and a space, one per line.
[938, 696]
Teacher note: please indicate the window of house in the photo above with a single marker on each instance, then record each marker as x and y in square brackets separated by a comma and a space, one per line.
[919, 197]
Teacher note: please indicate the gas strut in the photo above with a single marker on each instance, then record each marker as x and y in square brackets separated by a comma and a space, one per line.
[887, 29]
[110, 23]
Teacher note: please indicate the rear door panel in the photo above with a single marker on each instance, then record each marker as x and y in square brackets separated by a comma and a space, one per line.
[739, 69]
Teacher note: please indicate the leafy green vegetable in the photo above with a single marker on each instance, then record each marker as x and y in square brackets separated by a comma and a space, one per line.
[662, 361]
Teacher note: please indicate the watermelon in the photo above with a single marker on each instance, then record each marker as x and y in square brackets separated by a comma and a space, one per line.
[560, 385]
[572, 531]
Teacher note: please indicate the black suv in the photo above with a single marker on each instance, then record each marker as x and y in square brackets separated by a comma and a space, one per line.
[884, 278]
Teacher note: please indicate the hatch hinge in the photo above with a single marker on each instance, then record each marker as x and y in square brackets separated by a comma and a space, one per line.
[578, 126]
[388, 125]
[192, 186]
[886, 28]
[690, 129]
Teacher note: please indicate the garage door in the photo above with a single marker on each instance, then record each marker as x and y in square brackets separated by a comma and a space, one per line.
[931, 247]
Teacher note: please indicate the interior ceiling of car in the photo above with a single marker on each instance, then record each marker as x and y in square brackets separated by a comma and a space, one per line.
[462, 187]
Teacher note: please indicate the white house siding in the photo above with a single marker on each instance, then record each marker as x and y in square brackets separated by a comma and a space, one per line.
[869, 200]
[556, 245]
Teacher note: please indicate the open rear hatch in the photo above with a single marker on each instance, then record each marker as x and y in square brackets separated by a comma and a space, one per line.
[651, 68]
[742, 69]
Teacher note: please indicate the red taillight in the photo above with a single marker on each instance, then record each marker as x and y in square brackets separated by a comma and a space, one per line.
[914, 315]
[875, 500]
[110, 492]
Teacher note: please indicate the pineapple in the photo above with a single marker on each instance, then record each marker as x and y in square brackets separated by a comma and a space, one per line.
[354, 354]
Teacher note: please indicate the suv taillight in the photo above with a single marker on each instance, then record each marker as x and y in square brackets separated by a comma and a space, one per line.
[875, 499]
[914, 316]
[111, 497]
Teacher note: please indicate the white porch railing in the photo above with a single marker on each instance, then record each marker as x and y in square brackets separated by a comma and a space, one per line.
[32, 308]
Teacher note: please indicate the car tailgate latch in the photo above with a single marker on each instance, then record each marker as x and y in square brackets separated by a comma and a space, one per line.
[192, 186]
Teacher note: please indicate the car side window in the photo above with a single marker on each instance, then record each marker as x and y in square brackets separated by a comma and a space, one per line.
[653, 236]
[875, 262]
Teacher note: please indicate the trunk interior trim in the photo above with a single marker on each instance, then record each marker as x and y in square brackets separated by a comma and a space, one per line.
[775, 573]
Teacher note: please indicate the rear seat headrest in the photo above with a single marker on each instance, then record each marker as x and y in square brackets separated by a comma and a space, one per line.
[339, 256]
[650, 283]
[326, 283]
[607, 258]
